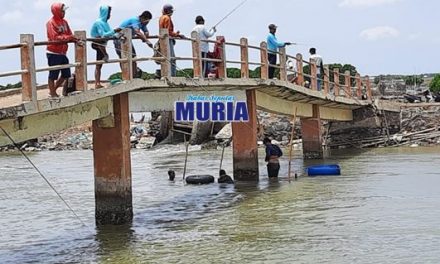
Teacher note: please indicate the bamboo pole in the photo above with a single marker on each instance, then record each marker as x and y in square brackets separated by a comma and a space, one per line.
[291, 141]
[186, 156]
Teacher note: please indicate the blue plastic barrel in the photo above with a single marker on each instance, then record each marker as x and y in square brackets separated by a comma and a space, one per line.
[331, 169]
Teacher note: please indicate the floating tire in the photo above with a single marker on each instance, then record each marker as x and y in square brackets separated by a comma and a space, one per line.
[199, 179]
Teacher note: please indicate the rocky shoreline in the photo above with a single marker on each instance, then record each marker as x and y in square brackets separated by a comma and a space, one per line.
[419, 126]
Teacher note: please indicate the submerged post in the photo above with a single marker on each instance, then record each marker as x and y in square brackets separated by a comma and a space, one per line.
[112, 162]
[244, 138]
[311, 135]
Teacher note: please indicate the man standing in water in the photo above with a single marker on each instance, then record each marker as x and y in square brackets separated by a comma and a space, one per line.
[273, 152]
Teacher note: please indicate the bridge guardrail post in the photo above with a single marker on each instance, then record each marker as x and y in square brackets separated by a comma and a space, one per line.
[264, 69]
[244, 50]
[283, 64]
[368, 85]
[336, 81]
[326, 80]
[222, 73]
[28, 79]
[299, 69]
[348, 91]
[164, 42]
[81, 58]
[359, 86]
[313, 73]
[127, 55]
[197, 55]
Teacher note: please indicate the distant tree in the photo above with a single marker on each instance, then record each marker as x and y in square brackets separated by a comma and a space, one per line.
[435, 84]
[10, 86]
[342, 69]
[233, 73]
[411, 80]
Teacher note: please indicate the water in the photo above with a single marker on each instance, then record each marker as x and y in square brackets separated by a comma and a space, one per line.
[385, 208]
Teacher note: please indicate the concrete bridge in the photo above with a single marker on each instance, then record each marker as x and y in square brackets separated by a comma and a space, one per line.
[27, 113]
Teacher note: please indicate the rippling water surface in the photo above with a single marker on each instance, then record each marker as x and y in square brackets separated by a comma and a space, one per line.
[384, 208]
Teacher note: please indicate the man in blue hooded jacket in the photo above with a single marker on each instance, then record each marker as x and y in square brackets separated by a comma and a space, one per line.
[101, 29]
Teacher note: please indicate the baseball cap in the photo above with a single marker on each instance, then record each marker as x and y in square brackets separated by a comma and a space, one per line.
[272, 26]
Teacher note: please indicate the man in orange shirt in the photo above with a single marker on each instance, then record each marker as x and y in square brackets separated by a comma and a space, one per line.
[166, 22]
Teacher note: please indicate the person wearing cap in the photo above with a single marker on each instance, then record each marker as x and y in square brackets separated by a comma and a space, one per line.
[58, 30]
[204, 34]
[166, 22]
[101, 29]
[317, 59]
[138, 26]
[272, 48]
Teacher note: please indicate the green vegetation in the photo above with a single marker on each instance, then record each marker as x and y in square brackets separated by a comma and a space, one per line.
[435, 84]
[411, 80]
[342, 69]
[10, 86]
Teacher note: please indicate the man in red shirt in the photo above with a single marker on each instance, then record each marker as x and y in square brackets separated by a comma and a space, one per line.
[58, 30]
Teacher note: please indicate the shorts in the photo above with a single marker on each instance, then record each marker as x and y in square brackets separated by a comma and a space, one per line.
[273, 169]
[100, 51]
[58, 59]
[118, 48]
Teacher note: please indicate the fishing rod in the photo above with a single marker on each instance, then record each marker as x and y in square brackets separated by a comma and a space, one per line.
[230, 13]
[42, 176]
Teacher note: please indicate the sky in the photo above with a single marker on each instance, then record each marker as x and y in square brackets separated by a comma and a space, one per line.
[376, 36]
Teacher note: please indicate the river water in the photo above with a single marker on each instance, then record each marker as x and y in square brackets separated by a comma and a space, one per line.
[384, 208]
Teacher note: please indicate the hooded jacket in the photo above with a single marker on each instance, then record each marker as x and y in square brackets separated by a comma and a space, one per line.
[58, 29]
[101, 28]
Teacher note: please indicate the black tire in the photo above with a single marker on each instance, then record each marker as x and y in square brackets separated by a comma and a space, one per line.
[199, 179]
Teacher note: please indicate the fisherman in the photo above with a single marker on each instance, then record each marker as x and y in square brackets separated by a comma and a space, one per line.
[272, 48]
[204, 34]
[166, 22]
[101, 29]
[138, 26]
[273, 153]
[317, 59]
[58, 30]
[171, 175]
[224, 178]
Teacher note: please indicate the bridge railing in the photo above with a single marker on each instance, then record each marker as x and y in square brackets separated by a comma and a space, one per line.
[352, 87]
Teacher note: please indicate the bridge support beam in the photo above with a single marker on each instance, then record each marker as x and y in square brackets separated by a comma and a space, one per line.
[244, 138]
[111, 153]
[312, 136]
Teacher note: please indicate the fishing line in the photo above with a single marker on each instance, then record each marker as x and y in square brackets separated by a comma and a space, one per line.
[42, 176]
[230, 13]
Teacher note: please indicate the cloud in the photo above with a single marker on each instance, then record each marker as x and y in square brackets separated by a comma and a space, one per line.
[366, 3]
[378, 33]
[12, 16]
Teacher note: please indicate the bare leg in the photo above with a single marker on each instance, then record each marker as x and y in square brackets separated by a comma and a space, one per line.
[52, 89]
[98, 76]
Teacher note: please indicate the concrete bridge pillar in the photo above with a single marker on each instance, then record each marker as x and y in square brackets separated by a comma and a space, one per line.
[111, 153]
[312, 136]
[244, 138]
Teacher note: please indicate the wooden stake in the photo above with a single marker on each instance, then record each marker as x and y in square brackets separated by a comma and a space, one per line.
[291, 141]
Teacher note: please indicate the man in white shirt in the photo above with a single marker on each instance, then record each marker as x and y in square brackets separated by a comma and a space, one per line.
[319, 66]
[204, 46]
